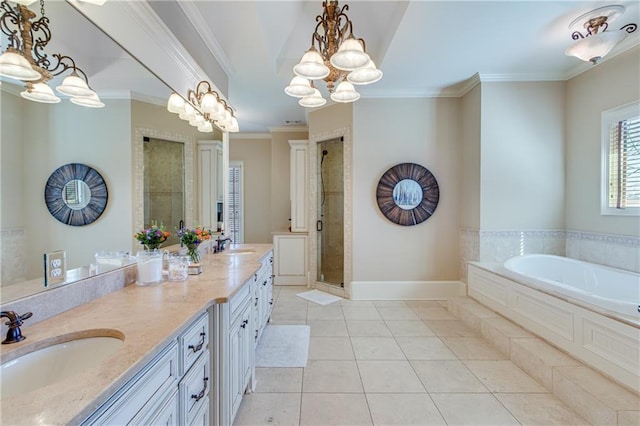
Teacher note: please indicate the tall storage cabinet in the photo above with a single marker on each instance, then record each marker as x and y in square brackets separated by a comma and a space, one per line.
[298, 190]
[210, 183]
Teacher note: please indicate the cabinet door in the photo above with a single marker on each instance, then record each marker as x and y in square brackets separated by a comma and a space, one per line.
[235, 365]
[168, 414]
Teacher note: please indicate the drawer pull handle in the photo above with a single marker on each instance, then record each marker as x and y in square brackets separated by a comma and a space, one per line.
[244, 323]
[265, 282]
[197, 347]
[199, 396]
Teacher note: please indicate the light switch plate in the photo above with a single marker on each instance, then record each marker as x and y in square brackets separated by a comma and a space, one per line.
[55, 267]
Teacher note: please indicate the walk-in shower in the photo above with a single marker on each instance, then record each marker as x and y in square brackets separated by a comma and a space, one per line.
[330, 223]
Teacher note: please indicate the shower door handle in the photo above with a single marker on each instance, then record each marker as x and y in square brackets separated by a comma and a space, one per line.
[319, 225]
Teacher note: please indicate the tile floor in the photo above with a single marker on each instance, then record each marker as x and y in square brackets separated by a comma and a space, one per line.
[394, 363]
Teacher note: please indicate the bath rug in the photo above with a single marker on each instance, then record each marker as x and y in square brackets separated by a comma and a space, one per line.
[283, 346]
[319, 297]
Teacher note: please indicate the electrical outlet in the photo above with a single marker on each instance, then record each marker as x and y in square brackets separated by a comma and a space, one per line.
[55, 267]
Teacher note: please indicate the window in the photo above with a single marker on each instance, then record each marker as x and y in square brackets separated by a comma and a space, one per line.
[235, 222]
[621, 160]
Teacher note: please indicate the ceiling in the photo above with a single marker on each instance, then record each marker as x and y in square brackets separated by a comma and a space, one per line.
[424, 48]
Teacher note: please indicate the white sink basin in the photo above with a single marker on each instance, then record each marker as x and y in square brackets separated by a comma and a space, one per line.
[57, 361]
[238, 252]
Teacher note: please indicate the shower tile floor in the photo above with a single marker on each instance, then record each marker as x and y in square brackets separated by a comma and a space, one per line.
[394, 363]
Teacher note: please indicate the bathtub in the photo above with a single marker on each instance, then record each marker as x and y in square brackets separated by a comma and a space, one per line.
[614, 290]
[586, 310]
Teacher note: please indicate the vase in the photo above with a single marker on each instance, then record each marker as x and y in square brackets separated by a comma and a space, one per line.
[193, 253]
[151, 246]
[149, 267]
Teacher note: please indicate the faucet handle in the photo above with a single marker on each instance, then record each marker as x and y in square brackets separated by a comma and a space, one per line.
[25, 316]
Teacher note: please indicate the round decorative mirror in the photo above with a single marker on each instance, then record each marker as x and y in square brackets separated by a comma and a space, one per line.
[407, 194]
[76, 194]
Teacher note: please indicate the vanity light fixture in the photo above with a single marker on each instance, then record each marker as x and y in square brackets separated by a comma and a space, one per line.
[598, 40]
[336, 57]
[204, 107]
[25, 59]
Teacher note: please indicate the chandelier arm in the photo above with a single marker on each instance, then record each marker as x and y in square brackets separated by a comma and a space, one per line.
[201, 92]
[629, 28]
[577, 35]
[61, 66]
[10, 17]
[41, 27]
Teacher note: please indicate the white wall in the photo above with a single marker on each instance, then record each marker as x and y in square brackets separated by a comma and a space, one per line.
[391, 131]
[522, 159]
[608, 85]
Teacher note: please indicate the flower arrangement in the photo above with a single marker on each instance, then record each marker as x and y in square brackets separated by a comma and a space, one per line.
[152, 237]
[191, 238]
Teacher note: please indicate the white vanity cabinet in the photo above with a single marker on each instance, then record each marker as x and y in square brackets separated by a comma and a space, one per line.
[171, 389]
[263, 297]
[290, 258]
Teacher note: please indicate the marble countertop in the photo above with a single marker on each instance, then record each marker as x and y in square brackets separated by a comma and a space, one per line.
[148, 317]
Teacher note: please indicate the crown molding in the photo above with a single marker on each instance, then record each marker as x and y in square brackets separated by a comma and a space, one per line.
[248, 135]
[288, 129]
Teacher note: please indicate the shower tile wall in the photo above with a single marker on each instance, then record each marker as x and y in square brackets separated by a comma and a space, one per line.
[333, 233]
[164, 184]
[618, 251]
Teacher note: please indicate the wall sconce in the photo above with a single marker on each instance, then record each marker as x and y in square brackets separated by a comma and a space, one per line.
[598, 41]
[203, 108]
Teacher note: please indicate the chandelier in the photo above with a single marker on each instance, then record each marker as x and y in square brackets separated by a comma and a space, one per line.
[25, 59]
[597, 40]
[203, 108]
[336, 57]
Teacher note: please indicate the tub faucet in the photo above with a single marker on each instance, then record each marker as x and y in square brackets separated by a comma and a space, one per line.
[14, 335]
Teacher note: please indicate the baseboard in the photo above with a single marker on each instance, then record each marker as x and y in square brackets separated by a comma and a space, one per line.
[406, 290]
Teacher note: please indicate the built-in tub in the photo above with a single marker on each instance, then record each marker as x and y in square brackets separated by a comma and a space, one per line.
[587, 310]
[612, 289]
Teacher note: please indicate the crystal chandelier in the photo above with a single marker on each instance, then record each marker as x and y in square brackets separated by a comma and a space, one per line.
[203, 108]
[336, 57]
[25, 59]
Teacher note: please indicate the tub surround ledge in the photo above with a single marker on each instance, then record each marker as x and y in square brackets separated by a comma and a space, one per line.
[149, 317]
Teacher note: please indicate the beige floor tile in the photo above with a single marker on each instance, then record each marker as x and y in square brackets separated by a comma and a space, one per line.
[332, 377]
[357, 303]
[436, 313]
[368, 329]
[423, 303]
[269, 409]
[450, 328]
[389, 377]
[424, 348]
[334, 409]
[325, 312]
[376, 348]
[403, 409]
[538, 358]
[472, 409]
[387, 303]
[278, 380]
[391, 313]
[409, 328]
[289, 314]
[288, 322]
[504, 376]
[473, 348]
[540, 409]
[361, 313]
[447, 376]
[330, 328]
[334, 348]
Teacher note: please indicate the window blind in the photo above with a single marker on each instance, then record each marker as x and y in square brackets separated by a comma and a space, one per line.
[235, 205]
[624, 163]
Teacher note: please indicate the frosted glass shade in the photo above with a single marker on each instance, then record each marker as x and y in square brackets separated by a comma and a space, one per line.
[311, 66]
[365, 75]
[233, 127]
[175, 104]
[14, 65]
[345, 92]
[595, 47]
[206, 127]
[26, 2]
[315, 100]
[73, 85]
[299, 87]
[40, 92]
[189, 112]
[208, 104]
[350, 55]
[92, 101]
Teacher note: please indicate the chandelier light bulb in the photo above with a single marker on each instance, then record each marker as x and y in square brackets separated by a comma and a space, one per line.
[594, 48]
[299, 87]
[40, 92]
[315, 100]
[345, 92]
[350, 55]
[208, 105]
[175, 104]
[365, 75]
[73, 85]
[311, 66]
[14, 65]
[92, 101]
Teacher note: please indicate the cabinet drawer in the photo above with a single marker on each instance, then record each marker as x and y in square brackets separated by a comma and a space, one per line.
[194, 341]
[195, 387]
[156, 379]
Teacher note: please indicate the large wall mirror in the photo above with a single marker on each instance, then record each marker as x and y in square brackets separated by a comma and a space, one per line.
[36, 139]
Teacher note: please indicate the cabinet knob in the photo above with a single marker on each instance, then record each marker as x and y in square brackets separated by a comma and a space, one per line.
[244, 323]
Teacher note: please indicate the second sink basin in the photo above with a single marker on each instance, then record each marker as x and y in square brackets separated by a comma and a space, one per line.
[63, 357]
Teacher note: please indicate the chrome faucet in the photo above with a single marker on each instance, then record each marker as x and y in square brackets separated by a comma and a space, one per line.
[14, 335]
